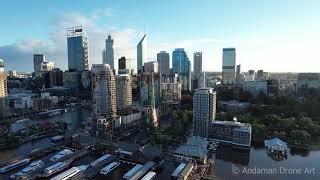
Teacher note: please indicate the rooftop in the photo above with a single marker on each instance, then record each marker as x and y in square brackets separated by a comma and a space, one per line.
[275, 142]
[197, 141]
[193, 151]
[238, 125]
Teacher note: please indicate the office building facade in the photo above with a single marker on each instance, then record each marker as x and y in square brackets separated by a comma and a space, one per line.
[109, 52]
[307, 81]
[204, 110]
[163, 59]
[38, 59]
[3, 88]
[231, 132]
[151, 66]
[197, 64]
[228, 66]
[181, 65]
[78, 49]
[141, 53]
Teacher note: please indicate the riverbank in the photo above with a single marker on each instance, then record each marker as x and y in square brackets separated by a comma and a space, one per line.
[314, 145]
[15, 144]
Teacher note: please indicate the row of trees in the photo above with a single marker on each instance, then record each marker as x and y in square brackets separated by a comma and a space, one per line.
[295, 119]
[296, 130]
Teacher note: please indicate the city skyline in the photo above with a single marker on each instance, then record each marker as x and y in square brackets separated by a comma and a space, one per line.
[267, 35]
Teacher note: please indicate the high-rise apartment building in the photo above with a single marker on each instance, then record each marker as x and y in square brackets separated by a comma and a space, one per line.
[204, 110]
[124, 94]
[228, 66]
[109, 52]
[104, 91]
[163, 59]
[141, 53]
[181, 65]
[38, 59]
[3, 88]
[78, 49]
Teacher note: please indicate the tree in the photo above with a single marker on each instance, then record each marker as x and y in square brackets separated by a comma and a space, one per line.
[300, 136]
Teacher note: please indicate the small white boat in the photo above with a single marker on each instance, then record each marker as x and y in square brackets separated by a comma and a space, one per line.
[29, 169]
[109, 168]
[100, 159]
[61, 154]
[13, 165]
[68, 174]
[60, 166]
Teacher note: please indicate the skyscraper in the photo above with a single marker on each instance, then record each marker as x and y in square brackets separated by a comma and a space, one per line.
[109, 53]
[3, 88]
[163, 59]
[124, 63]
[197, 69]
[151, 66]
[124, 94]
[181, 66]
[197, 63]
[141, 53]
[228, 66]
[238, 70]
[204, 110]
[124, 66]
[104, 91]
[38, 59]
[78, 54]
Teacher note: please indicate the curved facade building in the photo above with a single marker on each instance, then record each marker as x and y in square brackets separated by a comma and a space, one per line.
[124, 94]
[104, 91]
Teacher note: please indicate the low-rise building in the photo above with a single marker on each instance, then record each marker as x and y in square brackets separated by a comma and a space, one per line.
[307, 81]
[233, 106]
[255, 87]
[195, 150]
[231, 132]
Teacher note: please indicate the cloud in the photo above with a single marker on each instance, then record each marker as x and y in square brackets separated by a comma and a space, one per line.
[56, 47]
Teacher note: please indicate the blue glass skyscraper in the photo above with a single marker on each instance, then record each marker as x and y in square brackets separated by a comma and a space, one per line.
[77, 49]
[181, 65]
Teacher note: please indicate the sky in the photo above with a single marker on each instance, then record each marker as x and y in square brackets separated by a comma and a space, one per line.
[273, 35]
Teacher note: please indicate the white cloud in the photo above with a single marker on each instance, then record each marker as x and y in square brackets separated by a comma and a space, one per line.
[297, 54]
[56, 48]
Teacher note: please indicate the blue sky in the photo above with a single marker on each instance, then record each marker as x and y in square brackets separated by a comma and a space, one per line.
[274, 35]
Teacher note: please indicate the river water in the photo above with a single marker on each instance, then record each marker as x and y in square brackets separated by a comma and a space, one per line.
[230, 164]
